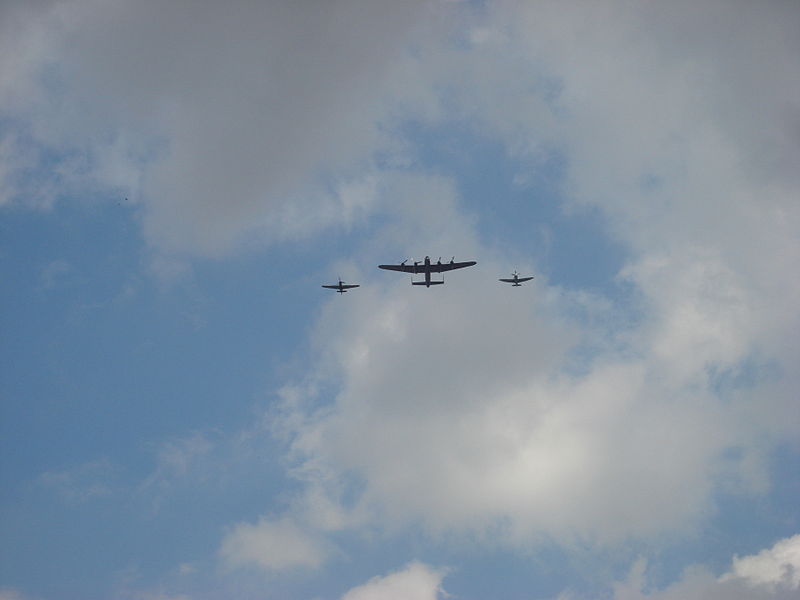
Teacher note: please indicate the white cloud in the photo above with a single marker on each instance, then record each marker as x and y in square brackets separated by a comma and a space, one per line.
[416, 582]
[778, 566]
[769, 575]
[458, 407]
[433, 433]
[237, 135]
[273, 545]
[226, 121]
[461, 408]
[469, 417]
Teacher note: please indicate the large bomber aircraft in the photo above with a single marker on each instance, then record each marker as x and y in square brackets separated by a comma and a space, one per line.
[341, 287]
[427, 267]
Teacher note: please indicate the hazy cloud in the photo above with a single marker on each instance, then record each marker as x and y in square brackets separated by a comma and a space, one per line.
[54, 273]
[470, 407]
[273, 545]
[176, 457]
[768, 575]
[85, 482]
[432, 432]
[222, 121]
[472, 418]
[415, 582]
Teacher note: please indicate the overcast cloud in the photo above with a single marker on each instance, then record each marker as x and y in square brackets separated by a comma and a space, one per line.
[584, 418]
[471, 416]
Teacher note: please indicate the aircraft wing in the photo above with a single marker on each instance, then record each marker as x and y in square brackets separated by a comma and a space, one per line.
[436, 267]
[343, 287]
[518, 280]
[507, 280]
[404, 268]
[441, 268]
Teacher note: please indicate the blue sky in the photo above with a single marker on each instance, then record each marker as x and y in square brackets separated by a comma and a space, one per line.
[187, 414]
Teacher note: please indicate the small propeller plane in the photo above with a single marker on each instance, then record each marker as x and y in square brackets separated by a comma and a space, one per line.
[427, 267]
[341, 287]
[516, 280]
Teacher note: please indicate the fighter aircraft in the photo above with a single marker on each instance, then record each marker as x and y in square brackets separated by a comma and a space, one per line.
[341, 287]
[516, 280]
[427, 267]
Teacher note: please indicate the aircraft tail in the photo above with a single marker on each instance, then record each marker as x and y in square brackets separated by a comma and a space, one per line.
[427, 283]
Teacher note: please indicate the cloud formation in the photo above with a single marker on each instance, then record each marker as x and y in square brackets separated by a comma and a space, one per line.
[223, 122]
[82, 483]
[774, 567]
[272, 545]
[469, 408]
[475, 418]
[471, 422]
[769, 575]
[415, 582]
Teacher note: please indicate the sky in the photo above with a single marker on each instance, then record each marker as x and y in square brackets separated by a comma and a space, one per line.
[187, 415]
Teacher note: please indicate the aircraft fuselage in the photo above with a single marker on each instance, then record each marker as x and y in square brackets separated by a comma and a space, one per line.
[428, 270]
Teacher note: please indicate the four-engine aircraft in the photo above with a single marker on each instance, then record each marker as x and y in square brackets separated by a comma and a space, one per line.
[516, 280]
[341, 287]
[427, 267]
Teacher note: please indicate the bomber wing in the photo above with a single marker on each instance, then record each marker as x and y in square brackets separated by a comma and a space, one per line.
[442, 267]
[404, 268]
[437, 267]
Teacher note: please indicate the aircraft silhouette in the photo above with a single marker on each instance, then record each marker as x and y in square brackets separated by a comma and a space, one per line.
[516, 280]
[427, 268]
[341, 287]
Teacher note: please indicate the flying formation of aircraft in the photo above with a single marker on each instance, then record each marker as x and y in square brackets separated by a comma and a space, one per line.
[426, 267]
[341, 287]
[516, 280]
